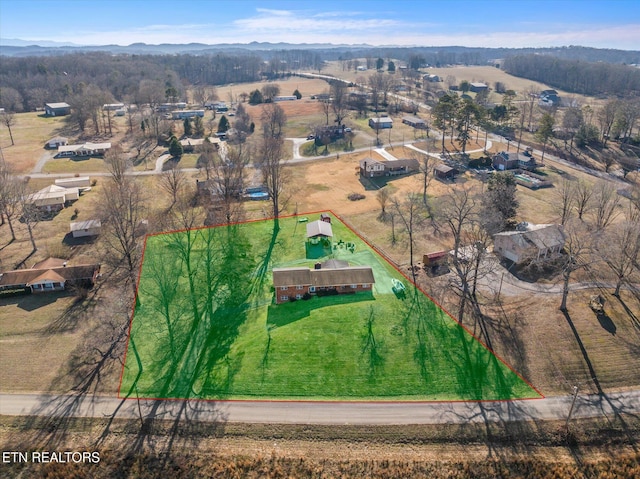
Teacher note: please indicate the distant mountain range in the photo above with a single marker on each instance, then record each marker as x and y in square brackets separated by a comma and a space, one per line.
[16, 47]
[467, 55]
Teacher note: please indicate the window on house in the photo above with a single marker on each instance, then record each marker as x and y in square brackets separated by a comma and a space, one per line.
[354, 286]
[284, 288]
[298, 296]
[299, 286]
[312, 289]
[284, 298]
[365, 286]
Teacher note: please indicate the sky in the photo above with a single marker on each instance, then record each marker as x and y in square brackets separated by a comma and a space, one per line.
[472, 23]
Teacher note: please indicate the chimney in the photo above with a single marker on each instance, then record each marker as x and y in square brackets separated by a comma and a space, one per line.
[318, 266]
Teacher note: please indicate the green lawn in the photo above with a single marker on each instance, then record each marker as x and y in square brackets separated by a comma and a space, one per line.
[206, 326]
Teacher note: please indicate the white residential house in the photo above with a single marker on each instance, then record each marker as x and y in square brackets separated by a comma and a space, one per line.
[53, 198]
[86, 149]
[529, 242]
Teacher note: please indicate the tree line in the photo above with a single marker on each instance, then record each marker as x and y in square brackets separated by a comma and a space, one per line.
[577, 76]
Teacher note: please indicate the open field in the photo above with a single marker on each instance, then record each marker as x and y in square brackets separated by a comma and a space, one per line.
[227, 340]
[526, 450]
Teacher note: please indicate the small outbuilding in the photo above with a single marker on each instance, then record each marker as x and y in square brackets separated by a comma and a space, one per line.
[444, 172]
[54, 143]
[82, 229]
[477, 87]
[380, 123]
[415, 122]
[319, 230]
[57, 109]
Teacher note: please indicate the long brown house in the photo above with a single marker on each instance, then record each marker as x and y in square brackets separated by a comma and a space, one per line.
[52, 274]
[333, 276]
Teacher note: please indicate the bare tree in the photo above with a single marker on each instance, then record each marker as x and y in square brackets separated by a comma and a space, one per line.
[204, 94]
[270, 91]
[273, 120]
[121, 208]
[339, 104]
[274, 171]
[426, 174]
[411, 214]
[30, 214]
[10, 190]
[619, 248]
[173, 180]
[227, 180]
[565, 194]
[383, 195]
[326, 107]
[605, 204]
[270, 162]
[606, 116]
[578, 249]
[582, 198]
[8, 119]
[117, 164]
[458, 210]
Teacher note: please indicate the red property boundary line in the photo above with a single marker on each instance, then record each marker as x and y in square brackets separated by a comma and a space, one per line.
[357, 401]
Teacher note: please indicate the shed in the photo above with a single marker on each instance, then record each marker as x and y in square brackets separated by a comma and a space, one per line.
[57, 141]
[86, 228]
[380, 123]
[57, 109]
[444, 172]
[435, 258]
[477, 87]
[319, 229]
[415, 122]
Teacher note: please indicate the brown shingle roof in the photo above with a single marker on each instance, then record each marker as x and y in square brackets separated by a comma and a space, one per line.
[26, 276]
[322, 277]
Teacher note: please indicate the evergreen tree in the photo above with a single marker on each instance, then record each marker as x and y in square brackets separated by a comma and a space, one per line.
[175, 148]
[198, 127]
[545, 131]
[499, 201]
[187, 127]
[255, 97]
[297, 94]
[223, 126]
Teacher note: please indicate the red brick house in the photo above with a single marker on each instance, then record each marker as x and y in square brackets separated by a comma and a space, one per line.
[330, 277]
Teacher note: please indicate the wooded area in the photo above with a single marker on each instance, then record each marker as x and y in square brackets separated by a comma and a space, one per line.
[577, 76]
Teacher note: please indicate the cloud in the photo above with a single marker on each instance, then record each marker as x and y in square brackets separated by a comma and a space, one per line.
[357, 27]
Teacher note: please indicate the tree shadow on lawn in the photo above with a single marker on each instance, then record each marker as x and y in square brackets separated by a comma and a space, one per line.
[451, 361]
[31, 302]
[191, 358]
[280, 315]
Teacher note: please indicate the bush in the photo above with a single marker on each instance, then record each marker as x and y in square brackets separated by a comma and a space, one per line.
[483, 162]
[356, 196]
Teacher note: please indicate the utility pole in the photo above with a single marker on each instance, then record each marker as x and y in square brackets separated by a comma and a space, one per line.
[573, 403]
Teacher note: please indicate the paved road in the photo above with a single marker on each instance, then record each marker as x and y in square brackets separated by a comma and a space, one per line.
[553, 408]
